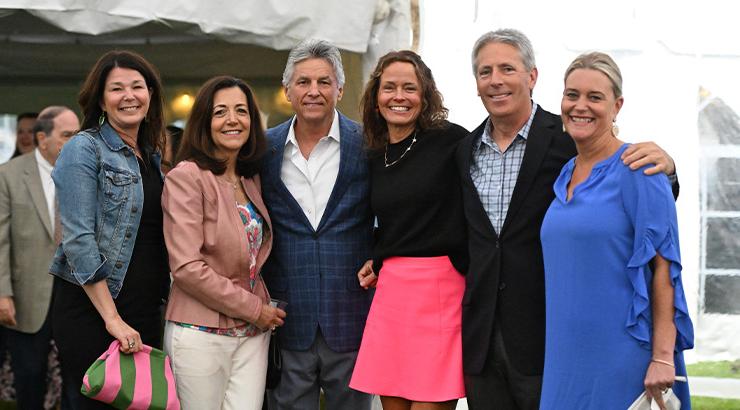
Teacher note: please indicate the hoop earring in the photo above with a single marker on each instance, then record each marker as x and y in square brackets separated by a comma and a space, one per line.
[101, 119]
[615, 129]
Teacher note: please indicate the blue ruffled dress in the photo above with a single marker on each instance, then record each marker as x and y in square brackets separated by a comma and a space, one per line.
[596, 249]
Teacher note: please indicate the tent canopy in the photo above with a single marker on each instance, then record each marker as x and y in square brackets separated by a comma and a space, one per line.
[56, 40]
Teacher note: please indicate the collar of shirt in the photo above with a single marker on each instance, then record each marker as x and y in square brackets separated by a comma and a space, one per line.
[333, 131]
[47, 184]
[43, 163]
[523, 132]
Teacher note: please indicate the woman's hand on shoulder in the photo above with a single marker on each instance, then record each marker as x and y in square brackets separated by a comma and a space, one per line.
[367, 276]
[128, 337]
[270, 318]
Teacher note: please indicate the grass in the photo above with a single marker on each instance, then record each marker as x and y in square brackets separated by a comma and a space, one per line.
[723, 369]
[710, 403]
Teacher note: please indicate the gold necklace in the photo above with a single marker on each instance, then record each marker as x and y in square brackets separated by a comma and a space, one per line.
[234, 182]
[385, 157]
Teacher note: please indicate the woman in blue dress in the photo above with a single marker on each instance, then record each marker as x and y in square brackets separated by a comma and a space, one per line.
[615, 326]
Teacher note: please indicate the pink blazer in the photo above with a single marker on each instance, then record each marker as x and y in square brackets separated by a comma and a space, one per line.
[207, 248]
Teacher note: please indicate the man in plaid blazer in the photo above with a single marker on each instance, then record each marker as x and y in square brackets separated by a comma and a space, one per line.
[316, 187]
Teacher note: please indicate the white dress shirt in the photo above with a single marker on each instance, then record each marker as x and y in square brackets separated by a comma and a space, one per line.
[47, 183]
[311, 180]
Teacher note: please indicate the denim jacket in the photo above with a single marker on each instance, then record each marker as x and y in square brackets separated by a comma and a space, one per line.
[100, 194]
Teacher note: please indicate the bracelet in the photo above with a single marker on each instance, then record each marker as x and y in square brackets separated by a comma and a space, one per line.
[663, 362]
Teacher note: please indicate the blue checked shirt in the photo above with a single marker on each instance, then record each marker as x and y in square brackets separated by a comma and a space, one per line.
[494, 173]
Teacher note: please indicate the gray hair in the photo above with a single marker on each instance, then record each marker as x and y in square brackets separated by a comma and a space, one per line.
[45, 120]
[602, 63]
[313, 48]
[510, 36]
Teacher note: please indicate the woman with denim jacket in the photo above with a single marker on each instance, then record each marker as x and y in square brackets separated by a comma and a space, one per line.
[111, 267]
[218, 236]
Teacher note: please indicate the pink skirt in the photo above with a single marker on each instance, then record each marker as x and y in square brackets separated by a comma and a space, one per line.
[412, 344]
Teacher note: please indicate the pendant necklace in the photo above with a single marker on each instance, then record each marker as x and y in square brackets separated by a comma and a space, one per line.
[234, 184]
[385, 158]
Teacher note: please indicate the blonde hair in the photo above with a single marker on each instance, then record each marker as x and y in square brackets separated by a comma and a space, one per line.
[602, 63]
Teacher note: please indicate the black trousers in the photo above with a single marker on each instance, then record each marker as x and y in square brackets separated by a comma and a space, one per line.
[29, 354]
[500, 386]
[81, 337]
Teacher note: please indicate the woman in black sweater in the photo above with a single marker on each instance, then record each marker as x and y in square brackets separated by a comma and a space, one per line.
[411, 350]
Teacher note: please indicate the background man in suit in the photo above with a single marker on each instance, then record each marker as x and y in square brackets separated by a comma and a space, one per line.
[315, 185]
[28, 238]
[508, 166]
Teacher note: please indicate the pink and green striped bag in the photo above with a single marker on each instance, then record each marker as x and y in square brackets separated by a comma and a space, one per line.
[138, 381]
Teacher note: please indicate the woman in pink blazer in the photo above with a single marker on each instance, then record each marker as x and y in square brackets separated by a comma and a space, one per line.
[218, 236]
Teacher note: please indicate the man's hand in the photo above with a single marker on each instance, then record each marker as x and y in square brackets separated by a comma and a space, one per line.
[644, 153]
[7, 311]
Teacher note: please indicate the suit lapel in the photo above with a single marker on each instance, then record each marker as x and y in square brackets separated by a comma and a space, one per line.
[32, 180]
[274, 166]
[350, 150]
[538, 141]
[466, 159]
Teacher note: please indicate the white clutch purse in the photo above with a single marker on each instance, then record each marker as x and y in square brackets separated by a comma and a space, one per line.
[644, 403]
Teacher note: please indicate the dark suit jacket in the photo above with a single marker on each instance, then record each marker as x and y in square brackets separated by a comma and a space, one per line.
[315, 271]
[505, 281]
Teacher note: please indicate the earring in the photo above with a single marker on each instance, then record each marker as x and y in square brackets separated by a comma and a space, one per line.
[615, 129]
[564, 130]
[101, 119]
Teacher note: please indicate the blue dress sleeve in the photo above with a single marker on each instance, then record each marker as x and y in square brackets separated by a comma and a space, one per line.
[649, 203]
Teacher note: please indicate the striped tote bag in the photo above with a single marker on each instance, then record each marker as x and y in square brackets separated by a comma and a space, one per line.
[138, 381]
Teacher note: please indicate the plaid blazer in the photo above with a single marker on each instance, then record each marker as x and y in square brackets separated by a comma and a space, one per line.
[315, 271]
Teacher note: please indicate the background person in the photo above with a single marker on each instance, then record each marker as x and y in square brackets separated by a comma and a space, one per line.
[218, 236]
[29, 235]
[172, 146]
[615, 327]
[24, 139]
[411, 352]
[111, 268]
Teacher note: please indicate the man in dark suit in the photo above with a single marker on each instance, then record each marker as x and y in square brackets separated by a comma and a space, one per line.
[28, 238]
[508, 165]
[316, 187]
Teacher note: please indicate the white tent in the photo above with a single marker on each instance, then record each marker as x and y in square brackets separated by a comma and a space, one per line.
[54, 42]
[273, 24]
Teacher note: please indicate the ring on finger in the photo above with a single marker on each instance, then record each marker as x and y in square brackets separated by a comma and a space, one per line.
[131, 344]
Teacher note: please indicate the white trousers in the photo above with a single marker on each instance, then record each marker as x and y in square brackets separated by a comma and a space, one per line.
[217, 372]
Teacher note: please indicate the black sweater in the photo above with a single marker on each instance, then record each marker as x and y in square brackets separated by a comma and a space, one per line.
[418, 200]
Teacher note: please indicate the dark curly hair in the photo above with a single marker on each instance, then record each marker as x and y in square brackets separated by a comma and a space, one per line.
[433, 113]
